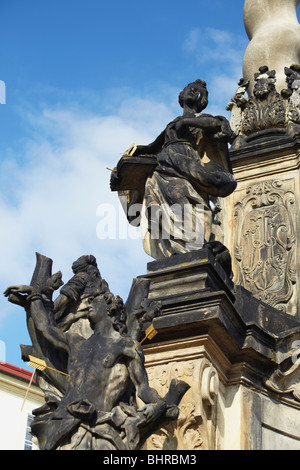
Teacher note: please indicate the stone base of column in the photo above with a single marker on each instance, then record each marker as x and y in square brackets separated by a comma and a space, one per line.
[238, 354]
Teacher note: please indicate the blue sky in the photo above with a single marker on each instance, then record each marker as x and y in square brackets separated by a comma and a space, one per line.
[84, 79]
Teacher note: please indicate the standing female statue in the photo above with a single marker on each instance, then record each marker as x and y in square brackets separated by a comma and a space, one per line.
[191, 167]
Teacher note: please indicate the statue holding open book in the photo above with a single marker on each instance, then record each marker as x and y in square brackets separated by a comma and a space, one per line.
[173, 184]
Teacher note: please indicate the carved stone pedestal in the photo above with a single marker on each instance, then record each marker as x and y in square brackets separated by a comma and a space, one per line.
[238, 354]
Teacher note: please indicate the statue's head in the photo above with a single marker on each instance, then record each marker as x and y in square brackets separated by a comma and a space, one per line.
[84, 262]
[111, 305]
[198, 88]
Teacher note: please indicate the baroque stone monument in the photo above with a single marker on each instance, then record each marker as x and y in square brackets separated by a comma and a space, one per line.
[229, 324]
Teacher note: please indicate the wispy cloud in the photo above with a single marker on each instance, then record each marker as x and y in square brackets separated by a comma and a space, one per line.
[223, 52]
[214, 46]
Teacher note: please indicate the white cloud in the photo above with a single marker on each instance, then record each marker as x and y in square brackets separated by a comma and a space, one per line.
[210, 45]
[223, 53]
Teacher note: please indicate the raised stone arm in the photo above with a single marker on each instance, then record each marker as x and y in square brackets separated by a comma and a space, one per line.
[157, 410]
[152, 148]
[205, 122]
[22, 294]
[33, 302]
[48, 342]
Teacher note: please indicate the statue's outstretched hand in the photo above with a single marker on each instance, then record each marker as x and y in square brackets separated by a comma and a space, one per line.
[53, 283]
[150, 310]
[20, 289]
[18, 294]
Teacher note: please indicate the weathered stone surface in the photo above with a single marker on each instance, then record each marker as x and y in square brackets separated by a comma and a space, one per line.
[274, 32]
[229, 346]
[266, 114]
[91, 378]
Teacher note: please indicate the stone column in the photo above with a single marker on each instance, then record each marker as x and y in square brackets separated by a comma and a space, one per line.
[274, 32]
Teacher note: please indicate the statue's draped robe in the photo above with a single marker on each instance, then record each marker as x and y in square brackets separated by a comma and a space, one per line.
[176, 216]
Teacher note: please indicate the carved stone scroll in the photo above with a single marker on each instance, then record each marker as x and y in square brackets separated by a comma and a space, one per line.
[285, 379]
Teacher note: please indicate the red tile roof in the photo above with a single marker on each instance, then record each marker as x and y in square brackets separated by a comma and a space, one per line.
[15, 371]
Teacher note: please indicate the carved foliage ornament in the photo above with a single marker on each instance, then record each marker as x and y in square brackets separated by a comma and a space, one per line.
[264, 249]
[195, 427]
[266, 108]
